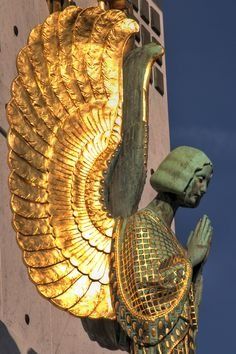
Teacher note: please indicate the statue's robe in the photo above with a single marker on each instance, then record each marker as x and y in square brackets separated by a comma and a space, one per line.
[151, 282]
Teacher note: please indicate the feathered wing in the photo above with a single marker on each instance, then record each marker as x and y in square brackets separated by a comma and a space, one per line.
[65, 124]
[127, 174]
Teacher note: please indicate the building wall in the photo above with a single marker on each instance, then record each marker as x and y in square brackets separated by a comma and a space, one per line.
[29, 324]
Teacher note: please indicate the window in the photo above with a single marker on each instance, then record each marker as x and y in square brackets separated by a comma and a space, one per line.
[145, 11]
[158, 81]
[155, 21]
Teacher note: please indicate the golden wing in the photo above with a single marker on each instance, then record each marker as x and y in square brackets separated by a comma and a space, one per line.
[65, 126]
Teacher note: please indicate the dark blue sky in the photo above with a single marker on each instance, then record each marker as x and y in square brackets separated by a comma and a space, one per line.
[200, 51]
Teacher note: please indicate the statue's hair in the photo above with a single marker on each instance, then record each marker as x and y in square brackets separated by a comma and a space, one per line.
[177, 169]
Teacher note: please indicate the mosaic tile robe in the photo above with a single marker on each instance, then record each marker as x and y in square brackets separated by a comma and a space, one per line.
[152, 286]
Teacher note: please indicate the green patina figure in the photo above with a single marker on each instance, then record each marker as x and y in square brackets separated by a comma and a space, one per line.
[160, 281]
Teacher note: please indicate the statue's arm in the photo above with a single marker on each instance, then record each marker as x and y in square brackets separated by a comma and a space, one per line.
[198, 248]
[158, 266]
[197, 286]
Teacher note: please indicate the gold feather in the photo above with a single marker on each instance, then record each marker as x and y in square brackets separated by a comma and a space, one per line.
[65, 120]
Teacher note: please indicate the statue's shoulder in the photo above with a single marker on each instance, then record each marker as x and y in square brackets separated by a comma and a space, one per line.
[146, 219]
[144, 227]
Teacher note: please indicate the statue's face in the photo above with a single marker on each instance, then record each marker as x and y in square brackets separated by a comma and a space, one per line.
[197, 187]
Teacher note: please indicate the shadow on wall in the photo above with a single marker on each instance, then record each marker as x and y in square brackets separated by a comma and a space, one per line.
[7, 343]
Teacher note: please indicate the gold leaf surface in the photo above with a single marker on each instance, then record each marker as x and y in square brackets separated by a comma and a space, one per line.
[65, 124]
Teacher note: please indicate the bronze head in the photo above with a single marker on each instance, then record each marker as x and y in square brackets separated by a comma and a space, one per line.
[185, 172]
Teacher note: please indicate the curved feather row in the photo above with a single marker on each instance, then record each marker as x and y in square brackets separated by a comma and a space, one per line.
[65, 125]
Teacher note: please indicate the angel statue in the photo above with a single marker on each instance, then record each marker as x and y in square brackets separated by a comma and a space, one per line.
[78, 153]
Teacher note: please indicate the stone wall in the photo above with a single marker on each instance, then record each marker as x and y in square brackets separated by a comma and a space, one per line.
[29, 324]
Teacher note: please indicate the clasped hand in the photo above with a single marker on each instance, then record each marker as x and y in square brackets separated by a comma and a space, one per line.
[199, 241]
